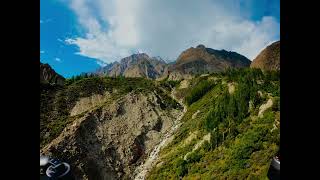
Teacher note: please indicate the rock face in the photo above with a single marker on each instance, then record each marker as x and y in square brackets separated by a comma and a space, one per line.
[201, 60]
[136, 65]
[177, 75]
[87, 103]
[191, 62]
[48, 75]
[269, 58]
[109, 142]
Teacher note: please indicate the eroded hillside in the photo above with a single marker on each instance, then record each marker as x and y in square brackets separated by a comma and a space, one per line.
[105, 127]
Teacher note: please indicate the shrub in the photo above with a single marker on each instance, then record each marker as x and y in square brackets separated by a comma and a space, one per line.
[193, 157]
[182, 168]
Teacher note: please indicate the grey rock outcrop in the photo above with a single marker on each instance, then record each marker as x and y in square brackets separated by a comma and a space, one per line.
[111, 141]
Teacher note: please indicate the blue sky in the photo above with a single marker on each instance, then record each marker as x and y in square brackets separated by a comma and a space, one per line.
[57, 22]
[79, 35]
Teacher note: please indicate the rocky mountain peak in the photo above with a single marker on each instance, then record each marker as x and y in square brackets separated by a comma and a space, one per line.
[136, 65]
[269, 58]
[201, 60]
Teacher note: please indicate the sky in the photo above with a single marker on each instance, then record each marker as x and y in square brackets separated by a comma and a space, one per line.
[82, 35]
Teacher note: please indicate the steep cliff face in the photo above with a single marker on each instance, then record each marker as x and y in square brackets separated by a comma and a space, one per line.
[110, 141]
[269, 58]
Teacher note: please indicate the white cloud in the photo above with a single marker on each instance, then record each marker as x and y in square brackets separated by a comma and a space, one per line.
[101, 63]
[41, 21]
[57, 59]
[166, 28]
[41, 52]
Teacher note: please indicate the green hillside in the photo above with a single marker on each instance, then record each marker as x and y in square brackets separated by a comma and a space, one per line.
[230, 130]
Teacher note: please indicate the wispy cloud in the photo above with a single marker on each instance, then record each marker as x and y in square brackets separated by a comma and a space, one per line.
[57, 59]
[101, 63]
[166, 28]
[42, 52]
[41, 21]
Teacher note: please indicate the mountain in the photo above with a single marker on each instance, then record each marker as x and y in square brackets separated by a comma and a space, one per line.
[269, 58]
[50, 84]
[48, 75]
[219, 126]
[190, 62]
[201, 60]
[136, 65]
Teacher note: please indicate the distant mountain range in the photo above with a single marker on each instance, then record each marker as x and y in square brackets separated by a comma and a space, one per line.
[190, 62]
[193, 61]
